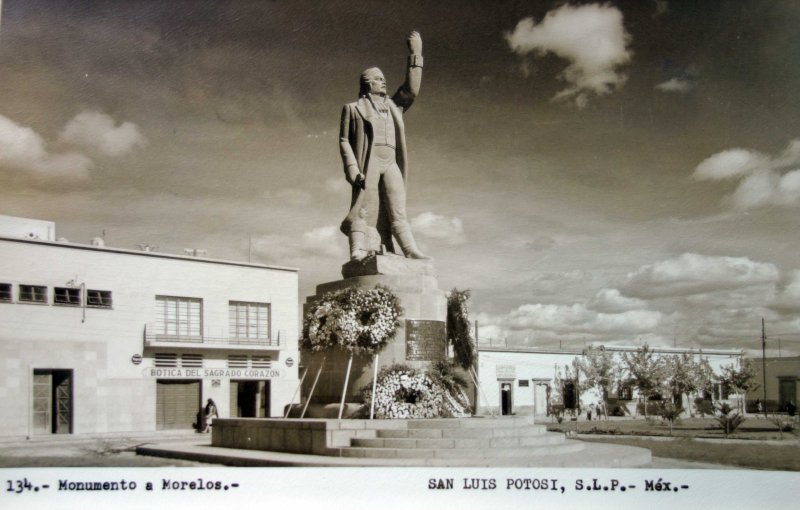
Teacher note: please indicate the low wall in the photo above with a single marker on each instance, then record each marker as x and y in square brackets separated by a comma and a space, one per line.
[307, 436]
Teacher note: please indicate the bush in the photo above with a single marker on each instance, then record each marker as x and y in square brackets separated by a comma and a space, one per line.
[671, 413]
[703, 407]
[728, 421]
[654, 407]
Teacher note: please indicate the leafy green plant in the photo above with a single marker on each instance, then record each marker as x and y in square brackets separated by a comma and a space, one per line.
[671, 413]
[783, 422]
[729, 421]
[458, 328]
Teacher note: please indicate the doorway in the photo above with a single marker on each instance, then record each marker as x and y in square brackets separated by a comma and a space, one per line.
[506, 403]
[177, 403]
[570, 395]
[52, 401]
[250, 399]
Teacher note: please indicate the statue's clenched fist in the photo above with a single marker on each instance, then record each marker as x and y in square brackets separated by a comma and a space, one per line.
[415, 43]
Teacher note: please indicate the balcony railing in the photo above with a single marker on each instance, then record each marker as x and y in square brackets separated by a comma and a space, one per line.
[151, 337]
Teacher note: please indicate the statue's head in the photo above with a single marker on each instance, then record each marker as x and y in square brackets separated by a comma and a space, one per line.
[372, 82]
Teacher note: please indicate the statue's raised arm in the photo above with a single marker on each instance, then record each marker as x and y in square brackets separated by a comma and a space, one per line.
[372, 144]
[408, 91]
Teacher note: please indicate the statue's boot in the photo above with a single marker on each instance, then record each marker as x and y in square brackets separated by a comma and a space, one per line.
[358, 245]
[402, 231]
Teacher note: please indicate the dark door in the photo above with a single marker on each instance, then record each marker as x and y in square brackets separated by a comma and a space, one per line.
[570, 397]
[787, 390]
[506, 405]
[52, 401]
[177, 403]
[250, 399]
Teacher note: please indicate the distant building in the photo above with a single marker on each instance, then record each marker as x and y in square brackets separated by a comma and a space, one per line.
[100, 340]
[782, 375]
[524, 380]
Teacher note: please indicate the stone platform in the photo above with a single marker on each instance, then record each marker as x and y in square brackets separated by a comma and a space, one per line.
[506, 441]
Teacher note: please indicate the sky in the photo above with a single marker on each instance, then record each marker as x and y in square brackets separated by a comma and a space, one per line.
[613, 173]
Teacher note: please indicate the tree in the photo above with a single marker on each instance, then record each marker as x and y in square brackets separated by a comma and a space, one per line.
[645, 371]
[704, 380]
[741, 378]
[683, 375]
[458, 328]
[600, 371]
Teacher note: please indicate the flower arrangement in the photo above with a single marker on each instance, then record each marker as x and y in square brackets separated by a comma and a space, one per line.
[356, 320]
[405, 393]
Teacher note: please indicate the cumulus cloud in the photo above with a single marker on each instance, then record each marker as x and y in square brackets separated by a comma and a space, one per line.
[577, 318]
[591, 37]
[692, 273]
[320, 243]
[763, 180]
[611, 300]
[789, 296]
[540, 243]
[289, 196]
[441, 228]
[326, 240]
[675, 85]
[22, 149]
[729, 164]
[98, 131]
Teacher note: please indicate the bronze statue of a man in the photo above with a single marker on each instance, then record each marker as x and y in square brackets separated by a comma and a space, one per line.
[373, 147]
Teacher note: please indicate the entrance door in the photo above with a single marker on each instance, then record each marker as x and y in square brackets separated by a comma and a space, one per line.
[177, 404]
[52, 401]
[250, 399]
[570, 398]
[787, 391]
[539, 398]
[506, 404]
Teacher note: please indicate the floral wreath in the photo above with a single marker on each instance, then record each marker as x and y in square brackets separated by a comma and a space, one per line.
[356, 320]
[404, 393]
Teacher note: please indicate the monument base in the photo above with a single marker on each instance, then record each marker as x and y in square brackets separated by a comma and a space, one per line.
[421, 337]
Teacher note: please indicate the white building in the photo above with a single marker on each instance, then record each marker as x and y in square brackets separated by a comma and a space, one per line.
[98, 339]
[520, 380]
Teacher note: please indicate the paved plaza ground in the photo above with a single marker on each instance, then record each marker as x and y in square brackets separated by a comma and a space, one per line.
[119, 451]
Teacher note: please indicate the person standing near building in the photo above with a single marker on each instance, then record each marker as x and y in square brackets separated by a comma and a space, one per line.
[210, 413]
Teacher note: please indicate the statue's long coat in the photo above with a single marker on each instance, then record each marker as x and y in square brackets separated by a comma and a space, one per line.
[356, 142]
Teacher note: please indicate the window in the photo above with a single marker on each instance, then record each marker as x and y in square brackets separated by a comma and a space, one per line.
[192, 360]
[237, 361]
[249, 320]
[179, 317]
[523, 383]
[99, 298]
[5, 292]
[67, 296]
[33, 294]
[166, 359]
[243, 361]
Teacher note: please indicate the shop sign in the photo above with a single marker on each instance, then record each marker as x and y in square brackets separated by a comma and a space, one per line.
[223, 373]
[506, 372]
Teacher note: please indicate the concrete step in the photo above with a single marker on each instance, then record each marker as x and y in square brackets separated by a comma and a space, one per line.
[593, 455]
[563, 448]
[499, 442]
[473, 422]
[464, 433]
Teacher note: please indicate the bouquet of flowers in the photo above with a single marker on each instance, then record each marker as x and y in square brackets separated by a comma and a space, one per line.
[356, 320]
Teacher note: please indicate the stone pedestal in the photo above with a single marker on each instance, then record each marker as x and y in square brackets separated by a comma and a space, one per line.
[420, 339]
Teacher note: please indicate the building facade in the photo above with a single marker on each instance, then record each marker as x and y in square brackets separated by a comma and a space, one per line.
[525, 380]
[103, 340]
[781, 383]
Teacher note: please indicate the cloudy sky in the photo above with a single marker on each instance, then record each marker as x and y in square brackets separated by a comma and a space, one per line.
[619, 172]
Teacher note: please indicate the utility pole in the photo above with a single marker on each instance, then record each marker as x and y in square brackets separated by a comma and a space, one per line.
[764, 363]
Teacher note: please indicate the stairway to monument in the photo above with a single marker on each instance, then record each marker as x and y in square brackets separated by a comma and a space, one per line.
[476, 441]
